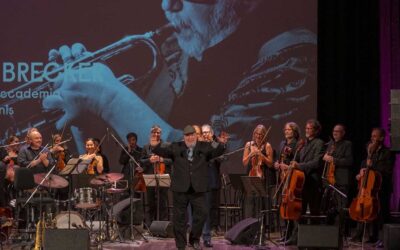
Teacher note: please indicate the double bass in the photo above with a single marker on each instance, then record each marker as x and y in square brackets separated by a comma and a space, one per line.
[365, 207]
[291, 200]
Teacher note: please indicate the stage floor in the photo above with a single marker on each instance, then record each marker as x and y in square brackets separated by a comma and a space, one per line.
[219, 243]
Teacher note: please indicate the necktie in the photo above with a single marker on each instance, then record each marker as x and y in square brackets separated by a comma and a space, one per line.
[190, 154]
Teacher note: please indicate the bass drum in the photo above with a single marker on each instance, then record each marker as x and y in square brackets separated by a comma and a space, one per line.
[77, 221]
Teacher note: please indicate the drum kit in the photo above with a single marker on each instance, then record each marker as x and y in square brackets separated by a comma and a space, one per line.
[88, 205]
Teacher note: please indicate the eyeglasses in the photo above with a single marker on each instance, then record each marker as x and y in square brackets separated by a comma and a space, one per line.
[206, 132]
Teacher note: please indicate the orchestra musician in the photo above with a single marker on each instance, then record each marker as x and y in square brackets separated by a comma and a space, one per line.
[96, 161]
[287, 150]
[339, 154]
[134, 150]
[8, 161]
[380, 160]
[214, 185]
[154, 164]
[189, 181]
[99, 151]
[59, 152]
[309, 161]
[34, 155]
[258, 160]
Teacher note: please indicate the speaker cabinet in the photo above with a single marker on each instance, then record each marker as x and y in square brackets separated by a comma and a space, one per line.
[391, 236]
[244, 232]
[395, 119]
[162, 229]
[318, 236]
[66, 239]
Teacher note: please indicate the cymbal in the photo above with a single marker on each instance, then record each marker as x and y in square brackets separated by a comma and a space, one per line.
[110, 177]
[52, 181]
[97, 182]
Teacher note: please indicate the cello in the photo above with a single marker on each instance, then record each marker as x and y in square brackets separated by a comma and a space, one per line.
[365, 207]
[291, 200]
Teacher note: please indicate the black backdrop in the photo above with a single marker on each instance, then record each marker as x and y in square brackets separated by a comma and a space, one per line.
[348, 68]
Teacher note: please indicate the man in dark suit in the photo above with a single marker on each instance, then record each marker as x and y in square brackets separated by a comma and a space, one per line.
[309, 161]
[340, 153]
[189, 181]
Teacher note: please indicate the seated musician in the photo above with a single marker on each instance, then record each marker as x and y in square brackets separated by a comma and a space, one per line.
[96, 161]
[151, 164]
[8, 161]
[60, 152]
[380, 159]
[35, 156]
[258, 160]
[106, 165]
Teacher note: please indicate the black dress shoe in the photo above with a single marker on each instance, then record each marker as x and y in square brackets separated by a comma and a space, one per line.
[207, 243]
[195, 245]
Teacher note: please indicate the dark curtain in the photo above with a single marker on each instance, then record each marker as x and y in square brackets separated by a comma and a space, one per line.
[348, 70]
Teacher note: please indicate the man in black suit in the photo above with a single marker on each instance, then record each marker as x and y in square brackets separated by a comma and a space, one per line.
[189, 181]
[309, 161]
[340, 153]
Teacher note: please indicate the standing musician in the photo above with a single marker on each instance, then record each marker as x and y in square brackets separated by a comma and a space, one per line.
[59, 152]
[309, 161]
[380, 159]
[258, 159]
[155, 164]
[214, 185]
[96, 161]
[287, 150]
[134, 150]
[34, 156]
[338, 162]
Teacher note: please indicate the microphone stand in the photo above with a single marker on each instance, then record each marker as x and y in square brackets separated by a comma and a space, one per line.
[132, 163]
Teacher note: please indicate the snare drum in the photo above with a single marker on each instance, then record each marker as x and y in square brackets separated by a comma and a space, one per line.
[77, 221]
[86, 198]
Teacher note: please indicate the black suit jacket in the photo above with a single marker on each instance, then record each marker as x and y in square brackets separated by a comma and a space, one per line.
[186, 174]
[310, 160]
[343, 160]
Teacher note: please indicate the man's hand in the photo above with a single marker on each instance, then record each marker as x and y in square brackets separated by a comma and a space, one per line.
[328, 158]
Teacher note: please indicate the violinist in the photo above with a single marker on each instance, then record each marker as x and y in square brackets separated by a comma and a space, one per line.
[155, 164]
[258, 160]
[96, 161]
[59, 152]
[134, 150]
[339, 155]
[287, 150]
[35, 156]
[380, 159]
[99, 151]
[8, 157]
[309, 161]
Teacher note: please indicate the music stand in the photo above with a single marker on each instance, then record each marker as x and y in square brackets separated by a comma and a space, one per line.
[157, 181]
[254, 186]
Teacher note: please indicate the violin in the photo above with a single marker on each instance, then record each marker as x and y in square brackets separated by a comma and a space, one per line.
[329, 167]
[365, 207]
[91, 169]
[291, 198]
[140, 185]
[256, 162]
[159, 168]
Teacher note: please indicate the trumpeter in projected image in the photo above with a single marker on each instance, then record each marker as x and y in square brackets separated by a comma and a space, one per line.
[224, 62]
